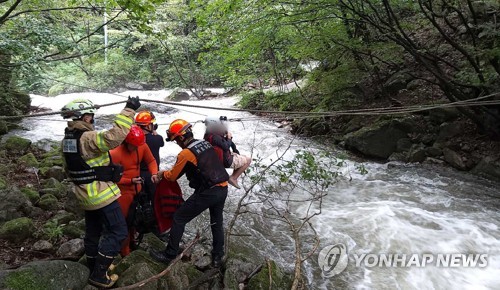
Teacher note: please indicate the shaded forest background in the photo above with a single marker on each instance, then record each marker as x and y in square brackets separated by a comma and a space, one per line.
[352, 53]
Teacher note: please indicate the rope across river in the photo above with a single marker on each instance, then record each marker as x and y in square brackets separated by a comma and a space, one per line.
[479, 101]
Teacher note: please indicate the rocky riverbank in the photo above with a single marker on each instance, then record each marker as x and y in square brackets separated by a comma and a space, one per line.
[42, 229]
[439, 136]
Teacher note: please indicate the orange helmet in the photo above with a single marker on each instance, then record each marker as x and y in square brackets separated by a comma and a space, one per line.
[178, 128]
[145, 118]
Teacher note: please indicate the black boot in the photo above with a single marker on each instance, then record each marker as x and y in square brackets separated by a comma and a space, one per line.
[99, 276]
[91, 263]
[160, 256]
[216, 261]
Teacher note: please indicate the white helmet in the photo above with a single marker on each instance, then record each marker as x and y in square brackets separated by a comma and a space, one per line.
[77, 108]
[216, 123]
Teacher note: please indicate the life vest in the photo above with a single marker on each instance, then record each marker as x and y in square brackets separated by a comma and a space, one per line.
[167, 199]
[224, 156]
[79, 170]
[209, 170]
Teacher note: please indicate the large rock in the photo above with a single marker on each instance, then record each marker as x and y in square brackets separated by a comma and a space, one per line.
[488, 167]
[54, 187]
[31, 194]
[454, 159]
[417, 153]
[63, 218]
[403, 145]
[48, 202]
[158, 108]
[72, 205]
[47, 145]
[17, 230]
[379, 140]
[16, 144]
[397, 82]
[46, 275]
[28, 160]
[448, 131]
[56, 172]
[14, 204]
[270, 277]
[72, 248]
[139, 272]
[441, 115]
[43, 246]
[134, 86]
[178, 95]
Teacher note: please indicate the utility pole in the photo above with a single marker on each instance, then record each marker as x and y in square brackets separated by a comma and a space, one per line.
[105, 34]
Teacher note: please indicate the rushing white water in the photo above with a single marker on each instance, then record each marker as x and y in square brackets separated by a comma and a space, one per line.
[399, 209]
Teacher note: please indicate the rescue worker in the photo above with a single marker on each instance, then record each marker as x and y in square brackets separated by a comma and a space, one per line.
[130, 154]
[222, 140]
[147, 122]
[87, 163]
[206, 175]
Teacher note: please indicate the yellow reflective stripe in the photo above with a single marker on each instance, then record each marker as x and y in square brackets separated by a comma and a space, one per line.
[101, 143]
[101, 160]
[92, 189]
[123, 121]
[109, 192]
[105, 194]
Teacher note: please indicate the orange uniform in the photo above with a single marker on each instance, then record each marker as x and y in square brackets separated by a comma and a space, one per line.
[131, 162]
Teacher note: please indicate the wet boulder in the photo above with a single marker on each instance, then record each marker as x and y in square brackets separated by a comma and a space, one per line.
[48, 202]
[270, 277]
[440, 115]
[16, 144]
[28, 160]
[72, 248]
[488, 167]
[448, 131]
[417, 153]
[31, 194]
[454, 159]
[14, 204]
[42, 246]
[17, 230]
[54, 187]
[178, 95]
[379, 140]
[46, 275]
[72, 204]
[56, 172]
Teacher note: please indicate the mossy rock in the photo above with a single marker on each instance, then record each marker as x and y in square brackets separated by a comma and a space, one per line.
[139, 272]
[54, 187]
[137, 257]
[17, 230]
[270, 277]
[28, 160]
[17, 144]
[48, 202]
[73, 232]
[63, 218]
[31, 194]
[46, 275]
[3, 183]
[50, 161]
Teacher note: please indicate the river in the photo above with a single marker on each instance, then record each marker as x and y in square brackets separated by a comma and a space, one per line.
[393, 209]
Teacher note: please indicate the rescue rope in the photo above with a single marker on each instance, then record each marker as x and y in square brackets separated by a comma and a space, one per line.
[479, 101]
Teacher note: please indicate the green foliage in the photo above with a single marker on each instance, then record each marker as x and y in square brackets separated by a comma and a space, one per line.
[52, 231]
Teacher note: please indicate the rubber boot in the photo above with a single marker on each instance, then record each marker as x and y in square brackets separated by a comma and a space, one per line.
[99, 276]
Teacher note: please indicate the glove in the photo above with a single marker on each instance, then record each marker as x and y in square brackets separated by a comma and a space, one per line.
[133, 103]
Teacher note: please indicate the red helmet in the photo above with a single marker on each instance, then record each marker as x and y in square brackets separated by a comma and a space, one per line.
[135, 136]
[145, 118]
[178, 128]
